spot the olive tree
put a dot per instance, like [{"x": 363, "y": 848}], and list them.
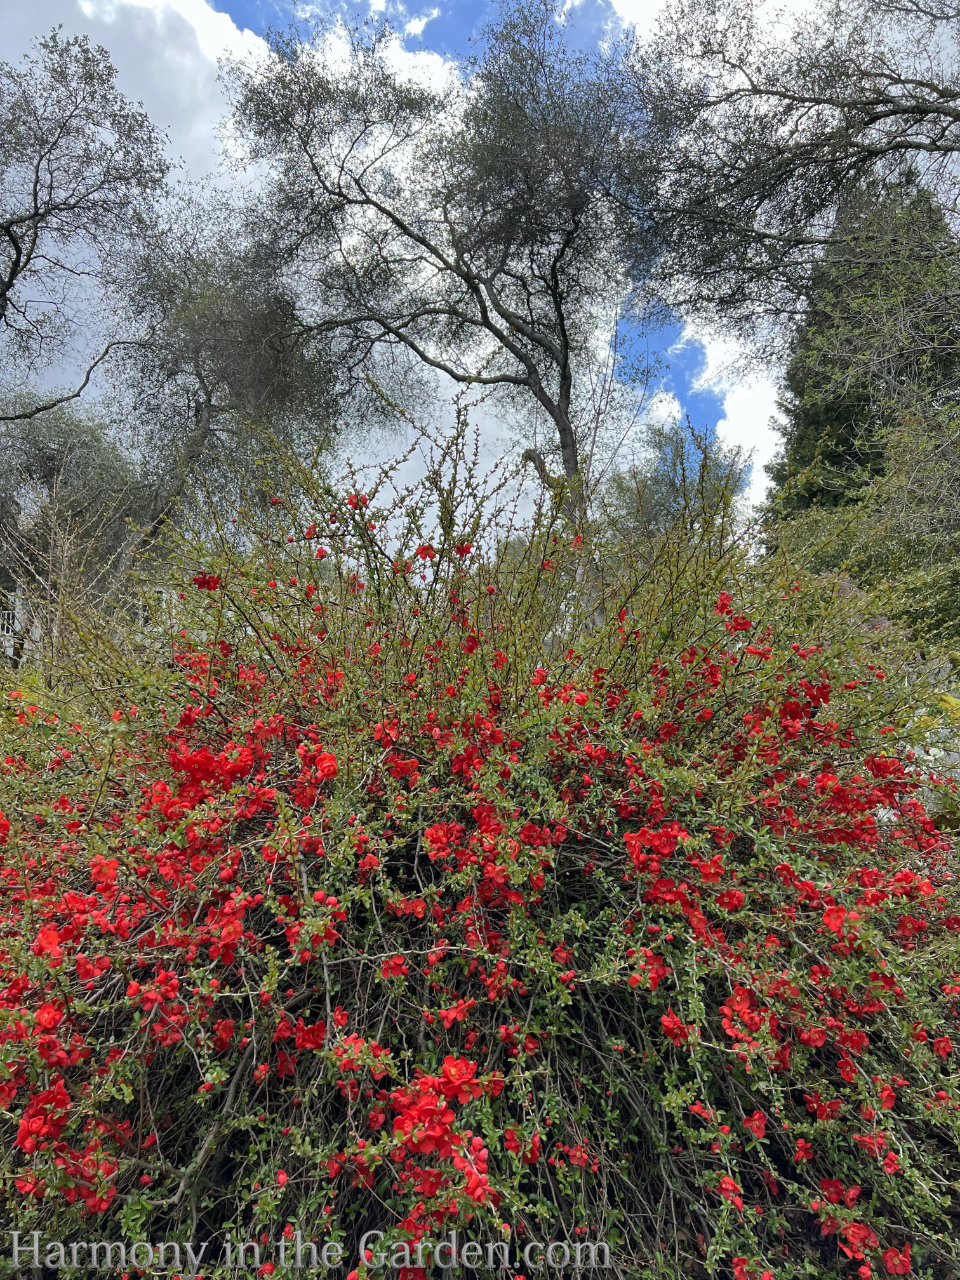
[
  {"x": 80, "y": 166},
  {"x": 476, "y": 224}
]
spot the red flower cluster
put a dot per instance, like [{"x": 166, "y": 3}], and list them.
[{"x": 396, "y": 918}]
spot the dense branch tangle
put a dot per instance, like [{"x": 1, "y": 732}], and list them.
[
  {"x": 783, "y": 128},
  {"x": 78, "y": 168},
  {"x": 471, "y": 225}
]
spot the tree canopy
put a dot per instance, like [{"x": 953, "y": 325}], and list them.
[
  {"x": 79, "y": 166},
  {"x": 477, "y": 225}
]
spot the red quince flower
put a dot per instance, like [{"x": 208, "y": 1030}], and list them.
[
  {"x": 730, "y": 900},
  {"x": 756, "y": 1123},
  {"x": 833, "y": 918},
  {"x": 727, "y": 1188},
  {"x": 673, "y": 1028},
  {"x": 897, "y": 1264}
]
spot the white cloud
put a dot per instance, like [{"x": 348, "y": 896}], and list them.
[
  {"x": 216, "y": 33},
  {"x": 641, "y": 14},
  {"x": 431, "y": 70},
  {"x": 663, "y": 410},
  {"x": 416, "y": 26},
  {"x": 749, "y": 401},
  {"x": 165, "y": 53},
  {"x": 747, "y": 412},
  {"x": 777, "y": 18},
  {"x": 420, "y": 66}
]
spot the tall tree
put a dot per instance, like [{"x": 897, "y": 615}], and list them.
[
  {"x": 477, "y": 224},
  {"x": 70, "y": 500},
  {"x": 869, "y": 472},
  {"x": 879, "y": 347},
  {"x": 79, "y": 167},
  {"x": 783, "y": 120},
  {"x": 218, "y": 354},
  {"x": 684, "y": 477}
]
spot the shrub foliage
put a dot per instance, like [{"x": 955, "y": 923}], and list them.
[{"x": 400, "y": 900}]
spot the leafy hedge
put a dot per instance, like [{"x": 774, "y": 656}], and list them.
[{"x": 398, "y": 900}]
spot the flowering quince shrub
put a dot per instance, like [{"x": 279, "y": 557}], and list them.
[{"x": 399, "y": 900}]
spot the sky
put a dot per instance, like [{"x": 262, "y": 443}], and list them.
[{"x": 166, "y": 53}]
